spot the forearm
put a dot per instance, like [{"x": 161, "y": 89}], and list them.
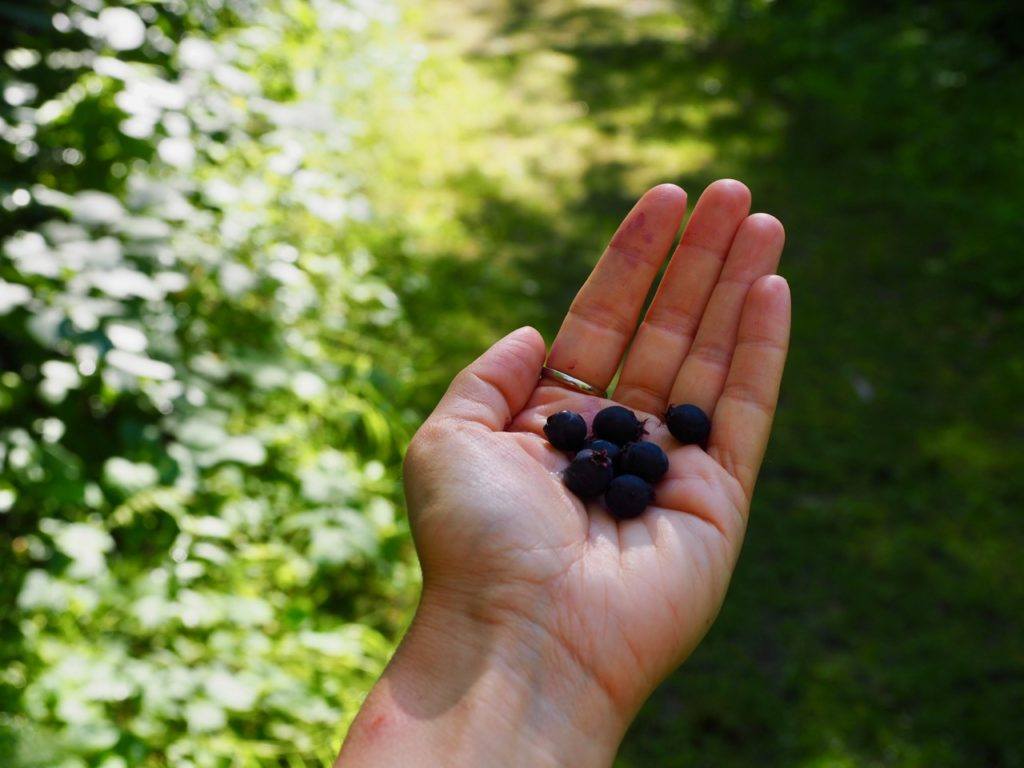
[{"x": 461, "y": 692}]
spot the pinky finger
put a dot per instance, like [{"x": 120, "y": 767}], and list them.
[{"x": 743, "y": 417}]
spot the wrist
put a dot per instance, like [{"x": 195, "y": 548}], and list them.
[{"x": 469, "y": 687}]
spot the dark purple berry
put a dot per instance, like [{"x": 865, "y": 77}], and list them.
[
  {"x": 589, "y": 473},
  {"x": 565, "y": 430},
  {"x": 597, "y": 444},
  {"x": 645, "y": 460},
  {"x": 618, "y": 425},
  {"x": 688, "y": 424},
  {"x": 627, "y": 496}
]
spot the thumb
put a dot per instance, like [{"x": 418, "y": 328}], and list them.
[{"x": 496, "y": 386}]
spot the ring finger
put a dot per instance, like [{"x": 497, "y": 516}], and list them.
[{"x": 754, "y": 253}]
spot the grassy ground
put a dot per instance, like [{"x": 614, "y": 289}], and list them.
[{"x": 875, "y": 617}]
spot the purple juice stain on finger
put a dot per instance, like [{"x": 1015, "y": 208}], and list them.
[
  {"x": 634, "y": 226},
  {"x": 636, "y": 221}
]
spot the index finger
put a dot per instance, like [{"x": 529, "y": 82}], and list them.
[{"x": 604, "y": 314}]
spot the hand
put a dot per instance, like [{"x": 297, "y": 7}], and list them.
[{"x": 542, "y": 612}]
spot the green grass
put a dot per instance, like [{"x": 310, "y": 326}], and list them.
[{"x": 875, "y": 616}]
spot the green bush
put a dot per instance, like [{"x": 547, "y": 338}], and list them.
[{"x": 199, "y": 443}]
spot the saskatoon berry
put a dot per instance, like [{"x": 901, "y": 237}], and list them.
[
  {"x": 566, "y": 430},
  {"x": 688, "y": 424},
  {"x": 645, "y": 460},
  {"x": 618, "y": 425},
  {"x": 627, "y": 496},
  {"x": 597, "y": 444},
  {"x": 588, "y": 474}
]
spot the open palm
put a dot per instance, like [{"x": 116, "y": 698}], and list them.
[{"x": 494, "y": 525}]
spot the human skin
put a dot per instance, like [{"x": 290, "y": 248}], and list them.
[{"x": 544, "y": 623}]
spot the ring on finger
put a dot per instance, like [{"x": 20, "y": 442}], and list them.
[{"x": 571, "y": 382}]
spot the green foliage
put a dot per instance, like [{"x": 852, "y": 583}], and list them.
[{"x": 199, "y": 444}]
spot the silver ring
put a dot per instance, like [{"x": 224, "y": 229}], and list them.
[{"x": 572, "y": 382}]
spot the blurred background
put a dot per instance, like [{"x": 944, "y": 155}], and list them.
[{"x": 246, "y": 243}]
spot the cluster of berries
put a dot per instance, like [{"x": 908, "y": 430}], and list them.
[{"x": 615, "y": 460}]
